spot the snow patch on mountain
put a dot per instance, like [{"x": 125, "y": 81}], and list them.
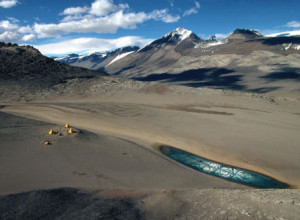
[
  {"x": 291, "y": 46},
  {"x": 182, "y": 33},
  {"x": 210, "y": 44},
  {"x": 119, "y": 57},
  {"x": 69, "y": 58}
]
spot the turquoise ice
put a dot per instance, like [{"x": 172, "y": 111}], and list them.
[{"x": 227, "y": 172}]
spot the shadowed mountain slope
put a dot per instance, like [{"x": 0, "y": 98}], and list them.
[{"x": 27, "y": 64}]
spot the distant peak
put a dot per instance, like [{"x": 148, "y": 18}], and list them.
[
  {"x": 180, "y": 33},
  {"x": 95, "y": 54},
  {"x": 181, "y": 30},
  {"x": 244, "y": 34},
  {"x": 247, "y": 31},
  {"x": 212, "y": 38}
]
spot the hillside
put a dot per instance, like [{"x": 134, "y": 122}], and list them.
[{"x": 27, "y": 64}]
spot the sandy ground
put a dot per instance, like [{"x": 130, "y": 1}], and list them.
[
  {"x": 247, "y": 133},
  {"x": 86, "y": 160},
  {"x": 114, "y": 148}
]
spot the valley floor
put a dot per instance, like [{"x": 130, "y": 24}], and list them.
[{"x": 113, "y": 153}]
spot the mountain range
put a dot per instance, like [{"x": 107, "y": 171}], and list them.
[
  {"x": 96, "y": 61},
  {"x": 246, "y": 60}
]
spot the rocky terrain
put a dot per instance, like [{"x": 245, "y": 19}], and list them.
[
  {"x": 68, "y": 203},
  {"x": 25, "y": 65}
]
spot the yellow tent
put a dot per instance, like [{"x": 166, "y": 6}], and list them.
[
  {"x": 70, "y": 131},
  {"x": 51, "y": 131},
  {"x": 67, "y": 125},
  {"x": 46, "y": 142}
]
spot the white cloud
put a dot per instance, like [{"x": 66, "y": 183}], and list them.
[
  {"x": 28, "y": 37},
  {"x": 107, "y": 24},
  {"x": 25, "y": 30},
  {"x": 222, "y": 36},
  {"x": 12, "y": 32},
  {"x": 6, "y": 25},
  {"x": 12, "y": 19},
  {"x": 164, "y": 16},
  {"x": 89, "y": 45},
  {"x": 8, "y": 3},
  {"x": 193, "y": 10},
  {"x": 103, "y": 16},
  {"x": 293, "y": 24},
  {"x": 9, "y": 36},
  {"x": 104, "y": 7},
  {"x": 75, "y": 10}
]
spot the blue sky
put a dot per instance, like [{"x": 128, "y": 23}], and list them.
[{"x": 84, "y": 26}]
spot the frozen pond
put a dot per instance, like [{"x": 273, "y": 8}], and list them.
[{"x": 227, "y": 172}]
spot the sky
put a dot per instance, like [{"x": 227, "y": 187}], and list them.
[{"x": 61, "y": 27}]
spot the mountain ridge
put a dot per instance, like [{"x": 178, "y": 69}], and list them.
[
  {"x": 245, "y": 60},
  {"x": 96, "y": 60}
]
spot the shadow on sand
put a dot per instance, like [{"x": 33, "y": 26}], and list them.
[
  {"x": 217, "y": 77},
  {"x": 285, "y": 73}
]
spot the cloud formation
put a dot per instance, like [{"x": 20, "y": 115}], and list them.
[
  {"x": 10, "y": 31},
  {"x": 106, "y": 24},
  {"x": 293, "y": 24},
  {"x": 8, "y": 3},
  {"x": 193, "y": 10},
  {"x": 222, "y": 36},
  {"x": 163, "y": 15},
  {"x": 104, "y": 7},
  {"x": 103, "y": 16},
  {"x": 74, "y": 10},
  {"x": 90, "y": 45}
]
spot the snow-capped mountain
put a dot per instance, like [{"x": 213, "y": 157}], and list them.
[
  {"x": 246, "y": 60},
  {"x": 179, "y": 34},
  {"x": 96, "y": 61},
  {"x": 69, "y": 59},
  {"x": 174, "y": 38}
]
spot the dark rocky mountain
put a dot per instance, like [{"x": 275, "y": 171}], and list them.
[
  {"x": 96, "y": 61},
  {"x": 244, "y": 34},
  {"x": 212, "y": 38},
  {"x": 26, "y": 65}
]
